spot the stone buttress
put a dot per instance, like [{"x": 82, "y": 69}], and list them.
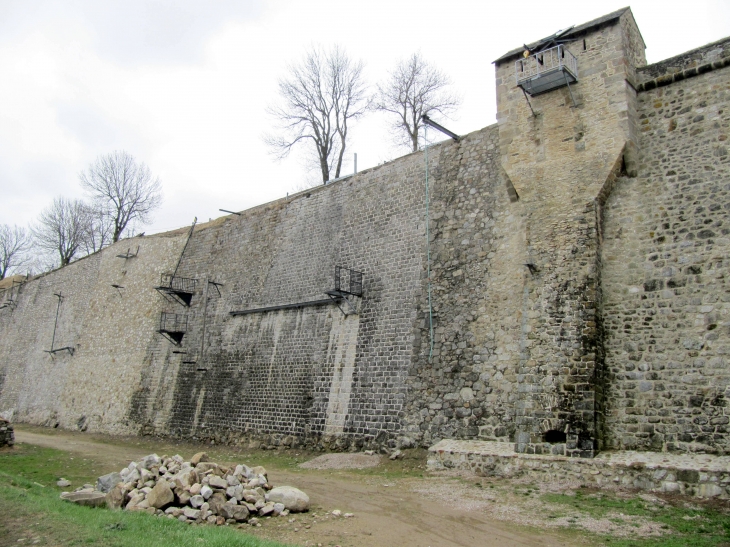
[{"x": 562, "y": 150}]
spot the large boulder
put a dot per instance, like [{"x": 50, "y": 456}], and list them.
[
  {"x": 251, "y": 496},
  {"x": 216, "y": 501},
  {"x": 161, "y": 495},
  {"x": 217, "y": 482},
  {"x": 106, "y": 482},
  {"x": 191, "y": 513},
  {"x": 116, "y": 497},
  {"x": 199, "y": 457},
  {"x": 293, "y": 499},
  {"x": 202, "y": 467},
  {"x": 235, "y": 492},
  {"x": 148, "y": 462},
  {"x": 134, "y": 500},
  {"x": 89, "y": 499},
  {"x": 186, "y": 477},
  {"x": 236, "y": 512}
]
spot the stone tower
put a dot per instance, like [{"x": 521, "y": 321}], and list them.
[{"x": 567, "y": 126}]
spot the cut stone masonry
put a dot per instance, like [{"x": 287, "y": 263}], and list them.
[{"x": 577, "y": 279}]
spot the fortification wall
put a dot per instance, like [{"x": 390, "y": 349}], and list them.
[
  {"x": 107, "y": 328},
  {"x": 577, "y": 291},
  {"x": 665, "y": 265},
  {"x": 466, "y": 387},
  {"x": 562, "y": 151},
  {"x": 33, "y": 382},
  {"x": 304, "y": 373}
]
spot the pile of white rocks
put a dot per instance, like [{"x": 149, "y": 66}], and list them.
[{"x": 198, "y": 491}]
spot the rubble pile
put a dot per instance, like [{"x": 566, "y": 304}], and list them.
[
  {"x": 7, "y": 435},
  {"x": 198, "y": 491}
]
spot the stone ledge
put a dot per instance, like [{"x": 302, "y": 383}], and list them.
[
  {"x": 685, "y": 74},
  {"x": 702, "y": 475}
]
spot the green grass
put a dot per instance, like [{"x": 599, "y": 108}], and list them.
[
  {"x": 685, "y": 525},
  {"x": 30, "y": 508},
  {"x": 411, "y": 464}
]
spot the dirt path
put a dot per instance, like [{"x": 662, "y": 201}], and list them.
[{"x": 386, "y": 513}]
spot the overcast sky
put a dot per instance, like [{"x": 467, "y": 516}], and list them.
[{"x": 183, "y": 85}]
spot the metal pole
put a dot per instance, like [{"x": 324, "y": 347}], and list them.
[
  {"x": 53, "y": 340},
  {"x": 569, "y": 90},
  {"x": 528, "y": 100},
  {"x": 356, "y": 163},
  {"x": 429, "y": 121},
  {"x": 190, "y": 234},
  {"x": 205, "y": 317},
  {"x": 428, "y": 247}
]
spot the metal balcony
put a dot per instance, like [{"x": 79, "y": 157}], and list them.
[
  {"x": 547, "y": 70},
  {"x": 173, "y": 326},
  {"x": 177, "y": 289}
]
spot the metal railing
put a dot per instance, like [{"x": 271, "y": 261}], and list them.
[
  {"x": 549, "y": 60},
  {"x": 173, "y": 322},
  {"x": 182, "y": 284},
  {"x": 348, "y": 281}
]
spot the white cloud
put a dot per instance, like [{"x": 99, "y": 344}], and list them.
[{"x": 184, "y": 85}]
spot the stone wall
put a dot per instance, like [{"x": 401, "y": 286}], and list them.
[
  {"x": 666, "y": 243},
  {"x": 304, "y": 373},
  {"x": 466, "y": 386},
  {"x": 106, "y": 328},
  {"x": 576, "y": 300},
  {"x": 7, "y": 435},
  {"x": 562, "y": 151},
  {"x": 704, "y": 476}
]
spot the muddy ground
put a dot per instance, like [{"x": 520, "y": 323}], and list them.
[{"x": 403, "y": 509}]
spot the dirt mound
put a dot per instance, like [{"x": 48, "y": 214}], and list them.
[{"x": 342, "y": 461}]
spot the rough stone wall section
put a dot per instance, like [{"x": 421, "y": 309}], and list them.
[
  {"x": 34, "y": 381},
  {"x": 7, "y": 435},
  {"x": 699, "y": 61},
  {"x": 467, "y": 388},
  {"x": 667, "y": 301},
  {"x": 107, "y": 329},
  {"x": 704, "y": 476},
  {"x": 560, "y": 160}
]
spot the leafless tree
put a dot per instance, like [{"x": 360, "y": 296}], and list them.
[
  {"x": 318, "y": 99},
  {"x": 14, "y": 243},
  {"x": 62, "y": 228},
  {"x": 98, "y": 229},
  {"x": 121, "y": 190},
  {"x": 413, "y": 89}
]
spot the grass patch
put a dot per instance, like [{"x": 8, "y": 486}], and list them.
[
  {"x": 694, "y": 525},
  {"x": 411, "y": 464},
  {"x": 30, "y": 510}
]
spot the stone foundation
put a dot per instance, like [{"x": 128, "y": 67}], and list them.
[{"x": 701, "y": 475}]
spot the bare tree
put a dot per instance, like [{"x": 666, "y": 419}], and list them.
[
  {"x": 121, "y": 190},
  {"x": 319, "y": 98},
  {"x": 62, "y": 228},
  {"x": 14, "y": 242},
  {"x": 98, "y": 229},
  {"x": 413, "y": 89}
]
